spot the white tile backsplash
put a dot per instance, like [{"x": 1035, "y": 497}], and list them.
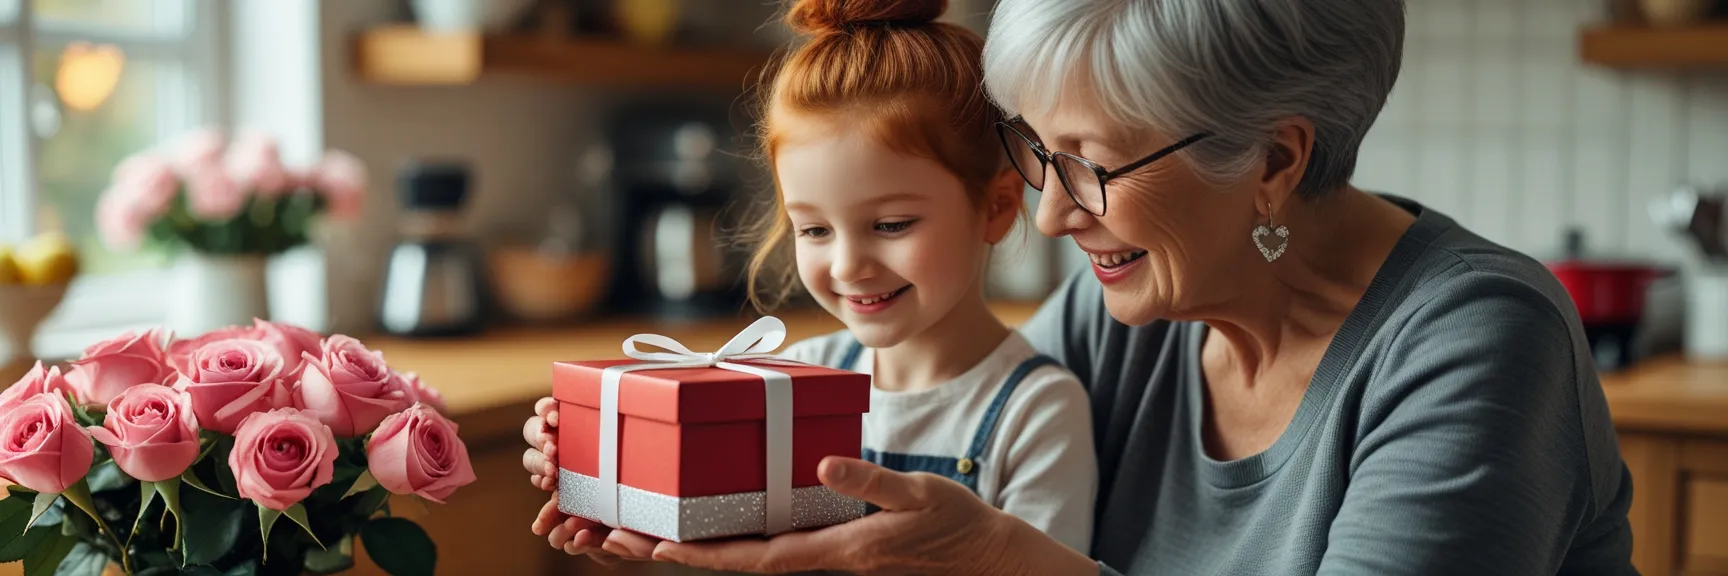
[{"x": 1497, "y": 122}]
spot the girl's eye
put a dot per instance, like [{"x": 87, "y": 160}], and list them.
[
  {"x": 893, "y": 227},
  {"x": 813, "y": 232}
]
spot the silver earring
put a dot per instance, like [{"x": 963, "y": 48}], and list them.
[{"x": 1263, "y": 231}]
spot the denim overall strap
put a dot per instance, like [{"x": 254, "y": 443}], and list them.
[
  {"x": 987, "y": 427},
  {"x": 851, "y": 357}
]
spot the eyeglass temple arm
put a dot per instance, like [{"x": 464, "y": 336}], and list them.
[{"x": 1168, "y": 150}]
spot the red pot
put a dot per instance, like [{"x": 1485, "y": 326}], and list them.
[{"x": 1606, "y": 291}]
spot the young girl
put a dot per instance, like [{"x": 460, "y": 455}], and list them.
[{"x": 892, "y": 189}]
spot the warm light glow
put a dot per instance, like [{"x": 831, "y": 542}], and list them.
[{"x": 88, "y": 74}]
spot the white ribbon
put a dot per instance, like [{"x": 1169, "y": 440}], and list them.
[{"x": 754, "y": 343}]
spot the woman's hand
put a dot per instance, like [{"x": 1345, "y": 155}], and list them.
[{"x": 929, "y": 525}]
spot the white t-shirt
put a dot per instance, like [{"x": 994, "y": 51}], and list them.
[{"x": 1039, "y": 465}]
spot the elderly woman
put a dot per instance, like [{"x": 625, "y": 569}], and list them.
[{"x": 1288, "y": 374}]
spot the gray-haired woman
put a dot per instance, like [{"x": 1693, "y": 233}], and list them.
[{"x": 1288, "y": 374}]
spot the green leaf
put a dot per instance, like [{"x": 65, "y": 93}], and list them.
[
  {"x": 363, "y": 483},
  {"x": 14, "y": 517},
  {"x": 83, "y": 560},
  {"x": 148, "y": 496},
  {"x": 44, "y": 500},
  {"x": 329, "y": 561},
  {"x": 79, "y": 495},
  {"x": 192, "y": 479},
  {"x": 297, "y": 513},
  {"x": 369, "y": 503},
  {"x": 15, "y": 549},
  {"x": 399, "y": 546},
  {"x": 199, "y": 570},
  {"x": 44, "y": 560},
  {"x": 212, "y": 526},
  {"x": 266, "y": 519},
  {"x": 247, "y": 568},
  {"x": 170, "y": 490}
]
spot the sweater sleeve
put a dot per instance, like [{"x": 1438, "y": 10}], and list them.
[
  {"x": 1050, "y": 475},
  {"x": 1471, "y": 456}
]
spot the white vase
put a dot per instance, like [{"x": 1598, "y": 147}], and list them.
[{"x": 212, "y": 292}]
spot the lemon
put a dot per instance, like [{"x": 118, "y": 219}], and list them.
[
  {"x": 47, "y": 259},
  {"x": 9, "y": 273}
]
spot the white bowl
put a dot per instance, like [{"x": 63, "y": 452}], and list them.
[{"x": 22, "y": 309}]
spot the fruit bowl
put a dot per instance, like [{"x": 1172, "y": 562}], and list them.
[{"x": 22, "y": 309}]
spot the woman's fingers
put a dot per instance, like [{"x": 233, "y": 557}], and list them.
[
  {"x": 885, "y": 488},
  {"x": 545, "y": 406},
  {"x": 790, "y": 552},
  {"x": 630, "y": 545}
]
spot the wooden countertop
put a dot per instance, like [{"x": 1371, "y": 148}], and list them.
[{"x": 1671, "y": 395}]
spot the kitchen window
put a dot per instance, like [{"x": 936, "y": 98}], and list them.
[{"x": 83, "y": 84}]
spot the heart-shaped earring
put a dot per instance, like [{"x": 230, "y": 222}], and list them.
[{"x": 1271, "y": 254}]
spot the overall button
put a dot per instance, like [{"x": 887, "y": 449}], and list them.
[{"x": 964, "y": 465}]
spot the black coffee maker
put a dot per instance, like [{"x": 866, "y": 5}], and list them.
[{"x": 676, "y": 182}]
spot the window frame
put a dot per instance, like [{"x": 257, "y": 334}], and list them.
[{"x": 100, "y": 307}]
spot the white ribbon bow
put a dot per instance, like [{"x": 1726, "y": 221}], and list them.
[{"x": 753, "y": 343}]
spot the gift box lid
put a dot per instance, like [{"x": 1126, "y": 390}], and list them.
[{"x": 707, "y": 395}]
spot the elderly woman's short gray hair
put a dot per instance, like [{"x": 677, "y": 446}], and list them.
[{"x": 1229, "y": 67}]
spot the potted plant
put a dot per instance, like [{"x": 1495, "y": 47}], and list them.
[
  {"x": 226, "y": 208},
  {"x": 265, "y": 449}
]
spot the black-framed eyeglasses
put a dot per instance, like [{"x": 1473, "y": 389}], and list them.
[{"x": 1084, "y": 179}]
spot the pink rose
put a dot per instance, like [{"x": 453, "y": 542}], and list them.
[
  {"x": 292, "y": 341},
  {"x": 41, "y": 446},
  {"x": 37, "y": 381},
  {"x": 143, "y": 185},
  {"x": 422, "y": 393},
  {"x": 211, "y": 193},
  {"x": 350, "y": 387},
  {"x": 202, "y": 146},
  {"x": 118, "y": 223},
  {"x": 229, "y": 380},
  {"x": 255, "y": 163},
  {"x": 281, "y": 456},
  {"x": 417, "y": 451},
  {"x": 341, "y": 179},
  {"x": 150, "y": 432},
  {"x": 109, "y": 368},
  {"x": 289, "y": 340},
  {"x": 180, "y": 351}
]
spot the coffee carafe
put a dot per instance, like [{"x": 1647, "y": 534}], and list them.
[{"x": 434, "y": 281}]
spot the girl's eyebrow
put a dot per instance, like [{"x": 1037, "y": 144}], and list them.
[{"x": 895, "y": 197}]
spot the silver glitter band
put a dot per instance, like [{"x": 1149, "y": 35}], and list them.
[{"x": 700, "y": 518}]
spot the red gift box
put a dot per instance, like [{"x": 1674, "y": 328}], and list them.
[{"x": 692, "y": 440}]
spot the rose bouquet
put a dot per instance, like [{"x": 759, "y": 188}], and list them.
[
  {"x": 217, "y": 197},
  {"x": 162, "y": 456}
]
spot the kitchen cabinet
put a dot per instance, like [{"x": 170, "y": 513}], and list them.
[{"x": 1672, "y": 419}]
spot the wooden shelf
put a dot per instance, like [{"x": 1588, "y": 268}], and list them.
[
  {"x": 1699, "y": 47},
  {"x": 407, "y": 55}
]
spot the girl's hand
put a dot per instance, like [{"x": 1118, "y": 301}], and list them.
[
  {"x": 929, "y": 525},
  {"x": 540, "y": 432}
]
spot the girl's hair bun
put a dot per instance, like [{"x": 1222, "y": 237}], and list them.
[{"x": 816, "y": 17}]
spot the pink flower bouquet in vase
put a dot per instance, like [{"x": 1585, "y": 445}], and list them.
[
  {"x": 226, "y": 207},
  {"x": 262, "y": 449}
]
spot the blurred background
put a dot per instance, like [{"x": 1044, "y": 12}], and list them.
[{"x": 540, "y": 167}]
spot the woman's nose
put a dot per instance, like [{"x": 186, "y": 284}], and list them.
[
  {"x": 1058, "y": 215},
  {"x": 852, "y": 262}
]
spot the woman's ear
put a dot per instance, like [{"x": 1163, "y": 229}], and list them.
[
  {"x": 1287, "y": 158},
  {"x": 1004, "y": 199}
]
